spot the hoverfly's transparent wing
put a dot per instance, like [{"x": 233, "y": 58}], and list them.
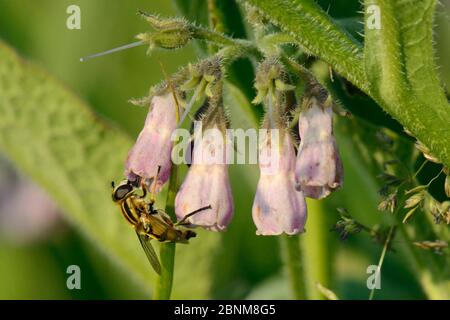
[{"x": 150, "y": 253}]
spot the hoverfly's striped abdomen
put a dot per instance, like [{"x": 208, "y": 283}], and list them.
[{"x": 130, "y": 212}]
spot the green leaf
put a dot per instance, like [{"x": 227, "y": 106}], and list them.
[
  {"x": 399, "y": 63},
  {"x": 353, "y": 100},
  {"x": 53, "y": 137},
  {"x": 416, "y": 20}
]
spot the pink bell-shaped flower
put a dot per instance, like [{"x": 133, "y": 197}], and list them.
[
  {"x": 278, "y": 207},
  {"x": 207, "y": 184},
  {"x": 319, "y": 169},
  {"x": 153, "y": 148}
]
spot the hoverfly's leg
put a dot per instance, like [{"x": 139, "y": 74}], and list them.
[
  {"x": 155, "y": 180},
  {"x": 184, "y": 220},
  {"x": 143, "y": 188},
  {"x": 151, "y": 183}
]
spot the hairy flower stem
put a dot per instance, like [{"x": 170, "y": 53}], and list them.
[
  {"x": 217, "y": 38},
  {"x": 292, "y": 257},
  {"x": 164, "y": 282}
]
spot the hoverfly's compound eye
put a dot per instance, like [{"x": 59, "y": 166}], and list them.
[{"x": 122, "y": 191}]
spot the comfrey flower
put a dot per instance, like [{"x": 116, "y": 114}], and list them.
[
  {"x": 153, "y": 148},
  {"x": 278, "y": 207},
  {"x": 207, "y": 181},
  {"x": 319, "y": 169}
]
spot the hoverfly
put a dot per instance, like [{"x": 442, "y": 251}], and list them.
[{"x": 149, "y": 222}]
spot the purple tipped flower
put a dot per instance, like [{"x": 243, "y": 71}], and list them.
[
  {"x": 207, "y": 183},
  {"x": 278, "y": 208},
  {"x": 319, "y": 169},
  {"x": 153, "y": 147}
]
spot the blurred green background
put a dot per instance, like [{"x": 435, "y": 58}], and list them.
[{"x": 247, "y": 266}]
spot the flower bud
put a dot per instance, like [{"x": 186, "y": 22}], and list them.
[
  {"x": 171, "y": 33},
  {"x": 153, "y": 147},
  {"x": 319, "y": 169},
  {"x": 207, "y": 181},
  {"x": 278, "y": 208}
]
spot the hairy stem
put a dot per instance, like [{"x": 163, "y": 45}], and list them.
[
  {"x": 290, "y": 247},
  {"x": 217, "y": 38},
  {"x": 163, "y": 287}
]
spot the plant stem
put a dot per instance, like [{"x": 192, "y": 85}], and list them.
[
  {"x": 290, "y": 247},
  {"x": 383, "y": 254},
  {"x": 217, "y": 38},
  {"x": 317, "y": 247},
  {"x": 164, "y": 282}
]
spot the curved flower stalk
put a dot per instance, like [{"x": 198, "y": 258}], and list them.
[
  {"x": 319, "y": 169},
  {"x": 278, "y": 207},
  {"x": 152, "y": 150},
  {"x": 207, "y": 181}
]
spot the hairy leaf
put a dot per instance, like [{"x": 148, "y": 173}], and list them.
[
  {"x": 54, "y": 138},
  {"x": 399, "y": 63}
]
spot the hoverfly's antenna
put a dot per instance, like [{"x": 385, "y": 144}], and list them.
[
  {"x": 104, "y": 53},
  {"x": 113, "y": 185}
]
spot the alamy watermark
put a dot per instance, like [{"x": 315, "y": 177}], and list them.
[
  {"x": 74, "y": 19},
  {"x": 234, "y": 146},
  {"x": 373, "y": 20},
  {"x": 374, "y": 280},
  {"x": 74, "y": 279}
]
